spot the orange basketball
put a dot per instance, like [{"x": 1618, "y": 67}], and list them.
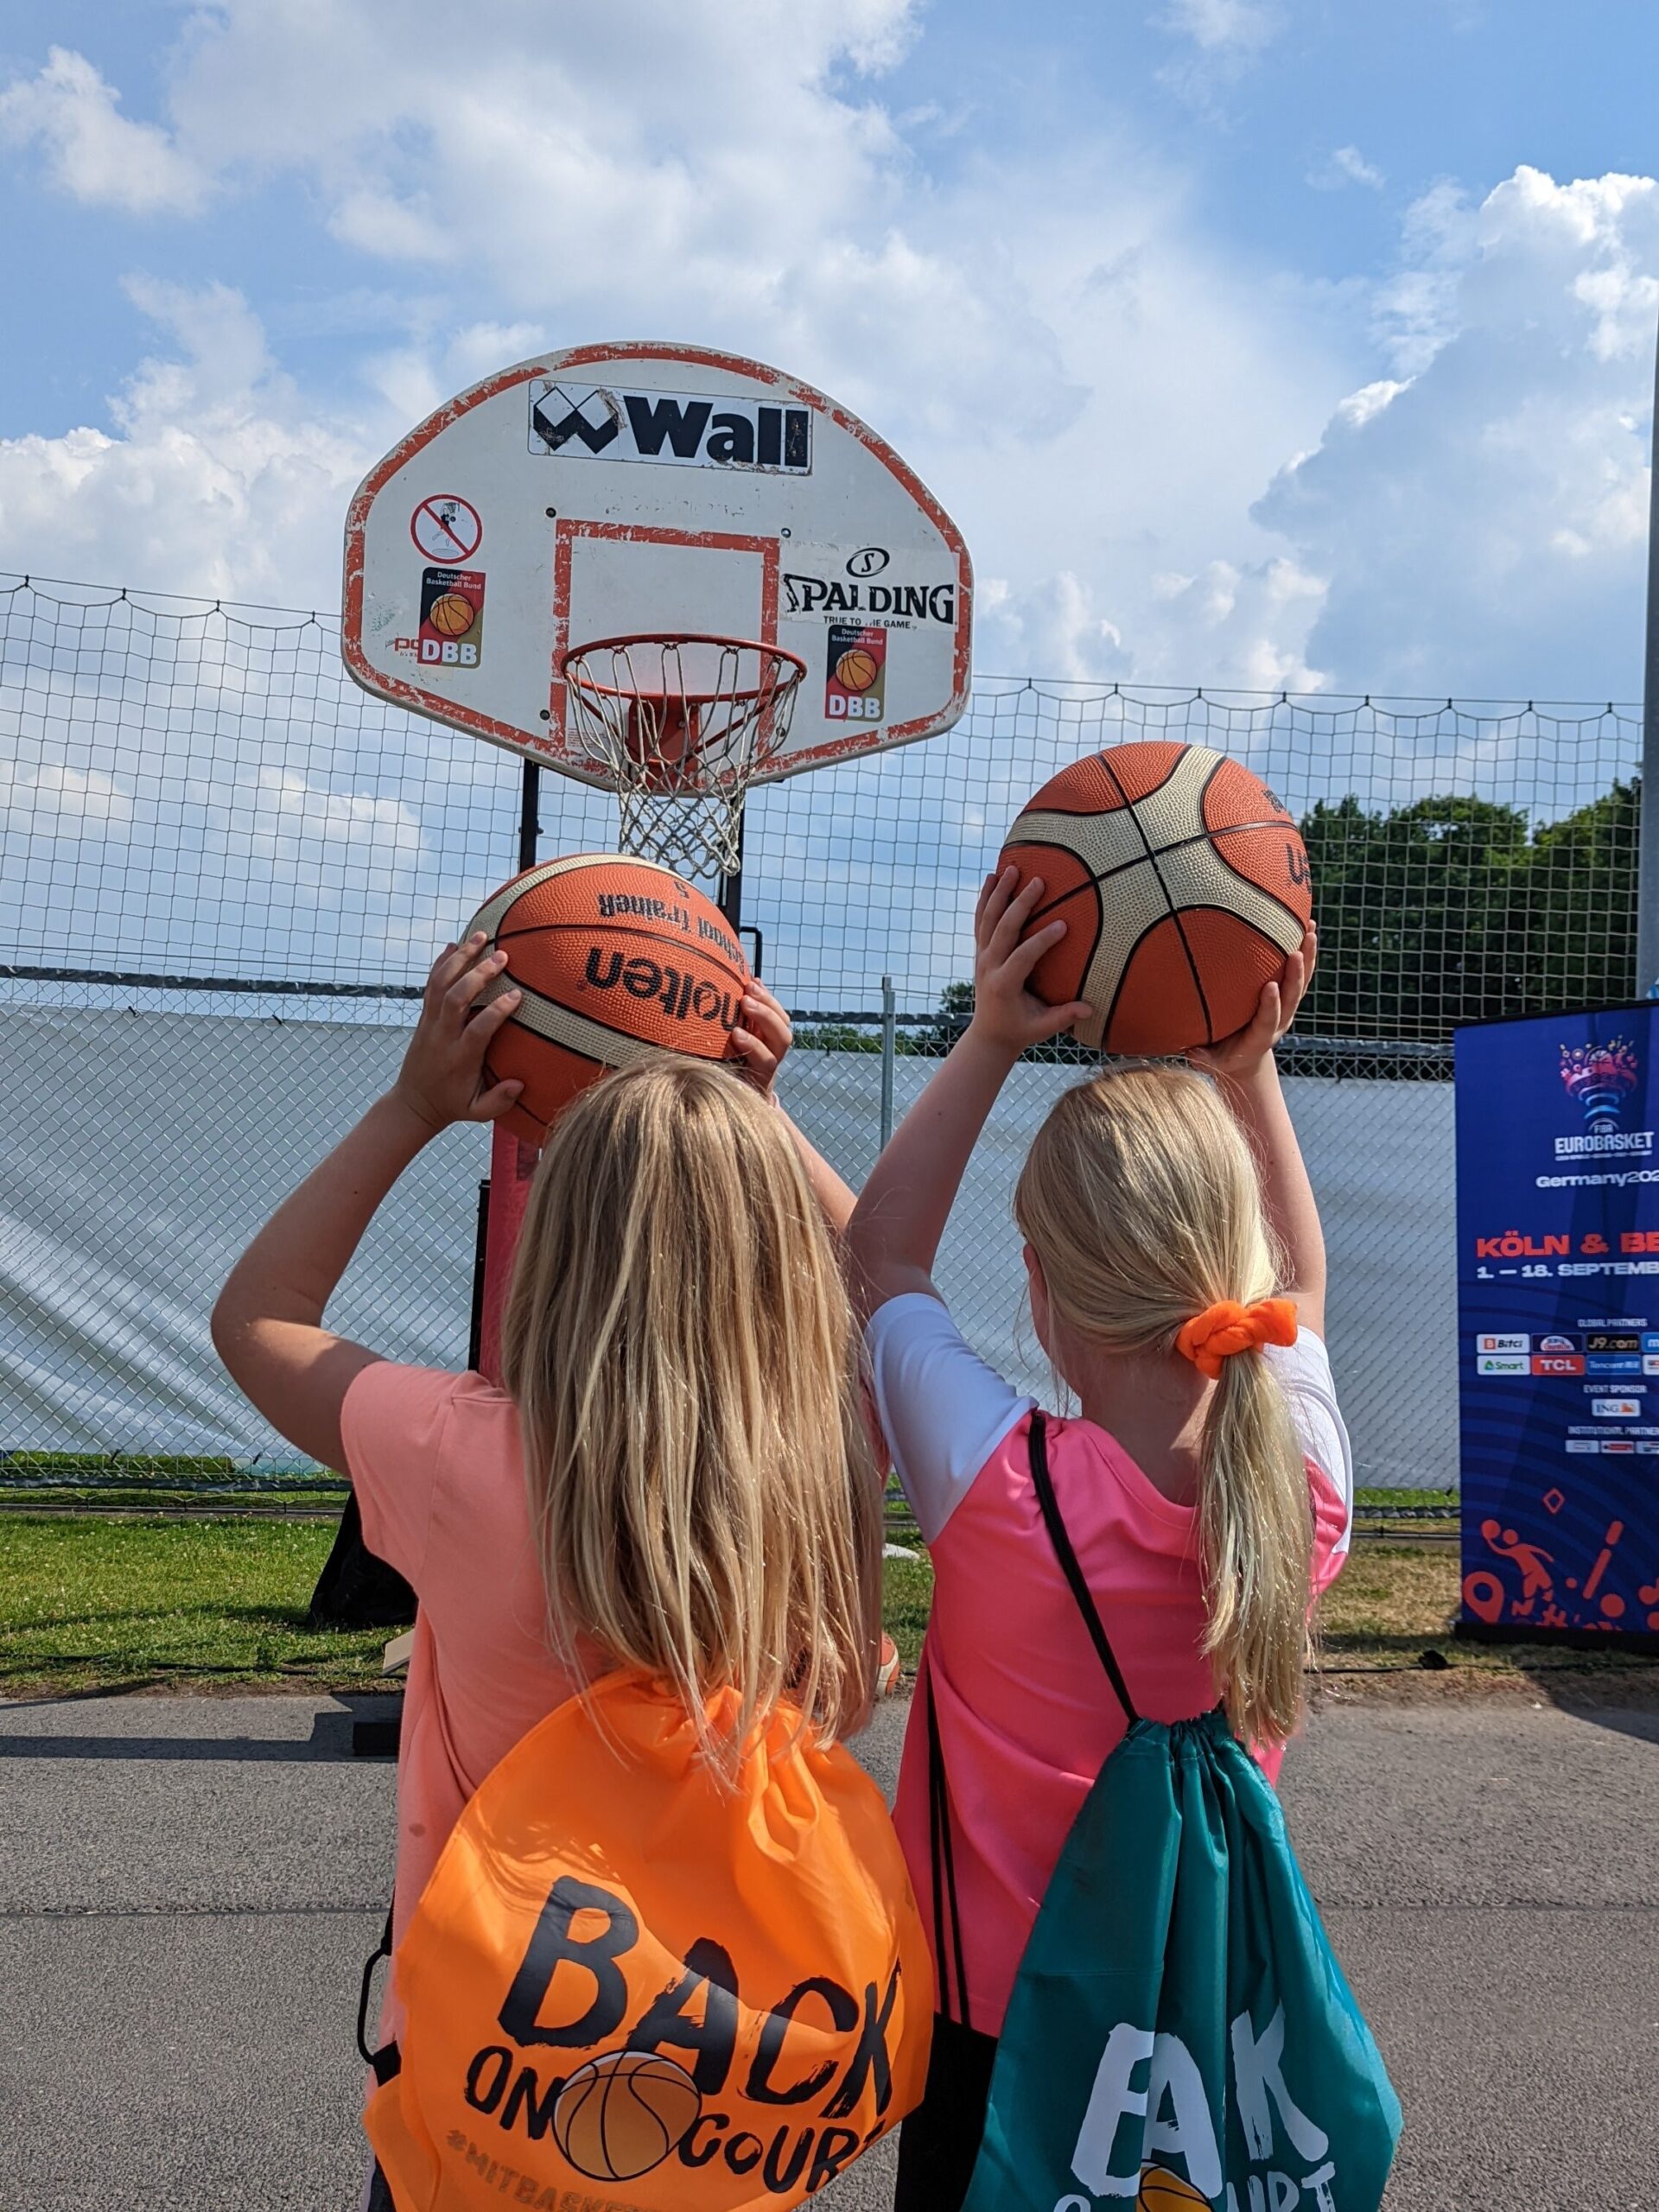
[
  {"x": 1163, "y": 2191},
  {"x": 452, "y": 615},
  {"x": 1184, "y": 880},
  {"x": 856, "y": 670},
  {"x": 620, "y": 2115},
  {"x": 613, "y": 955}
]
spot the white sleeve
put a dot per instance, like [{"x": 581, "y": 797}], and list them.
[
  {"x": 943, "y": 1411},
  {"x": 1304, "y": 1368}
]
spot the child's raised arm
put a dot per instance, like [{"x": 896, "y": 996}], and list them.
[
  {"x": 1248, "y": 1076},
  {"x": 268, "y": 1323},
  {"x": 894, "y": 1233},
  {"x": 762, "y": 1045}
]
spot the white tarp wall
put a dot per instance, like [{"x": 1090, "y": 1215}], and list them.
[{"x": 139, "y": 1151}]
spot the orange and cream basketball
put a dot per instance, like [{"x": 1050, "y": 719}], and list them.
[
  {"x": 1183, "y": 883},
  {"x": 620, "y": 2115},
  {"x": 452, "y": 615},
  {"x": 616, "y": 959}
]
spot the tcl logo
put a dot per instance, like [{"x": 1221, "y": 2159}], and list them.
[{"x": 1557, "y": 1362}]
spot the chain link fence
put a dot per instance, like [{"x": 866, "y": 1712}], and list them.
[{"x": 224, "y": 871}]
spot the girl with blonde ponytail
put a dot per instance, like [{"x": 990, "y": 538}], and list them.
[
  {"x": 1176, "y": 1273},
  {"x": 673, "y": 1479}
]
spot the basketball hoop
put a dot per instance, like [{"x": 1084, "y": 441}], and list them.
[{"x": 681, "y": 726}]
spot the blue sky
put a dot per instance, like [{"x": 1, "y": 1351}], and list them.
[{"x": 1253, "y": 341}]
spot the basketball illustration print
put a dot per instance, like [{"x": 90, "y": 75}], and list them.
[
  {"x": 451, "y": 615},
  {"x": 857, "y": 670},
  {"x": 1183, "y": 882},
  {"x": 1163, "y": 2191},
  {"x": 623, "y": 2114},
  {"x": 616, "y": 958}
]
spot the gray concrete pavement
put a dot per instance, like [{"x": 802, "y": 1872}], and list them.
[{"x": 187, "y": 1887}]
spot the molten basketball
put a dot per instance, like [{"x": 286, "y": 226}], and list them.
[
  {"x": 452, "y": 615},
  {"x": 856, "y": 670},
  {"x": 1184, "y": 883},
  {"x": 620, "y": 2115},
  {"x": 1163, "y": 2191},
  {"x": 614, "y": 957}
]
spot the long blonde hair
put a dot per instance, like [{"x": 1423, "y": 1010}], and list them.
[
  {"x": 1141, "y": 1200},
  {"x": 683, "y": 1358}
]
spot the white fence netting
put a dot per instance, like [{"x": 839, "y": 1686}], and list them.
[{"x": 139, "y": 1151}]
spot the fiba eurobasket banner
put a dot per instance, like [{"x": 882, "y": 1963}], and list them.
[{"x": 1558, "y": 1301}]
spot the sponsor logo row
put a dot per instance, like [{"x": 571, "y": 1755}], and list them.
[
  {"x": 1617, "y": 1447},
  {"x": 1566, "y": 1363},
  {"x": 1584, "y": 1340}
]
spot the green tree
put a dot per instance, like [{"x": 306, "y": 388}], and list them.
[
  {"x": 1579, "y": 928},
  {"x": 1445, "y": 909},
  {"x": 1451, "y": 909}
]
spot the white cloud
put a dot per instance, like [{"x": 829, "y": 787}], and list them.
[
  {"x": 723, "y": 173},
  {"x": 1244, "y": 627},
  {"x": 1481, "y": 521},
  {"x": 59, "y": 801},
  {"x": 221, "y": 479},
  {"x": 313, "y": 835},
  {"x": 1038, "y": 336},
  {"x": 1357, "y": 408},
  {"x": 1052, "y": 626},
  {"x": 1171, "y": 463},
  {"x": 1222, "y": 39},
  {"x": 1346, "y": 165},
  {"x": 1224, "y": 26},
  {"x": 90, "y": 149}
]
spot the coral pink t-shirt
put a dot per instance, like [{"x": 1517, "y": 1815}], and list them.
[
  {"x": 1027, "y": 1716},
  {"x": 435, "y": 1462}
]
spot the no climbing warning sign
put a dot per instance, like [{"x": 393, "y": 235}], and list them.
[{"x": 445, "y": 528}]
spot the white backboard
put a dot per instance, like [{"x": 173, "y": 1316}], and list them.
[{"x": 654, "y": 488}]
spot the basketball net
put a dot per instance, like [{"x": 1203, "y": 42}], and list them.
[{"x": 681, "y": 727}]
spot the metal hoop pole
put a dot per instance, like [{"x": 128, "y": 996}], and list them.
[
  {"x": 730, "y": 900},
  {"x": 529, "y": 816}
]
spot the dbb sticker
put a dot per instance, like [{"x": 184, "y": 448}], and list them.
[
  {"x": 452, "y": 618},
  {"x": 856, "y": 680}
]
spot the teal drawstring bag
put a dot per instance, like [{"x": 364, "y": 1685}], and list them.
[{"x": 1180, "y": 2035}]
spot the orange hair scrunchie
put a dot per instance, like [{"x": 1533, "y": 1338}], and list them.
[{"x": 1228, "y": 1327}]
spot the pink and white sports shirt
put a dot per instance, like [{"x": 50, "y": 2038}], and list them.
[{"x": 1026, "y": 1715}]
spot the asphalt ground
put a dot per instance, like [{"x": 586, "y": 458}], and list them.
[{"x": 188, "y": 1887}]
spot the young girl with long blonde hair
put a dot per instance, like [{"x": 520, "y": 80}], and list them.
[
  {"x": 1176, "y": 1273},
  {"x": 677, "y": 1477}
]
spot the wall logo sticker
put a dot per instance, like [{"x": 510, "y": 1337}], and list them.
[{"x": 682, "y": 430}]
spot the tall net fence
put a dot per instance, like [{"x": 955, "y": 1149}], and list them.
[{"x": 224, "y": 871}]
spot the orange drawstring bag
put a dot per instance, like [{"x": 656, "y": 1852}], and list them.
[{"x": 633, "y": 1985}]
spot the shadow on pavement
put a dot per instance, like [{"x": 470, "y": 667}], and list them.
[
  {"x": 365, "y": 1725},
  {"x": 1616, "y": 1705}
]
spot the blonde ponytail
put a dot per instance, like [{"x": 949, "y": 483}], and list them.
[
  {"x": 1256, "y": 1538},
  {"x": 1141, "y": 1199},
  {"x": 685, "y": 1360}
]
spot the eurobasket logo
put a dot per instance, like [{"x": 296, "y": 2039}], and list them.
[{"x": 1601, "y": 1078}]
